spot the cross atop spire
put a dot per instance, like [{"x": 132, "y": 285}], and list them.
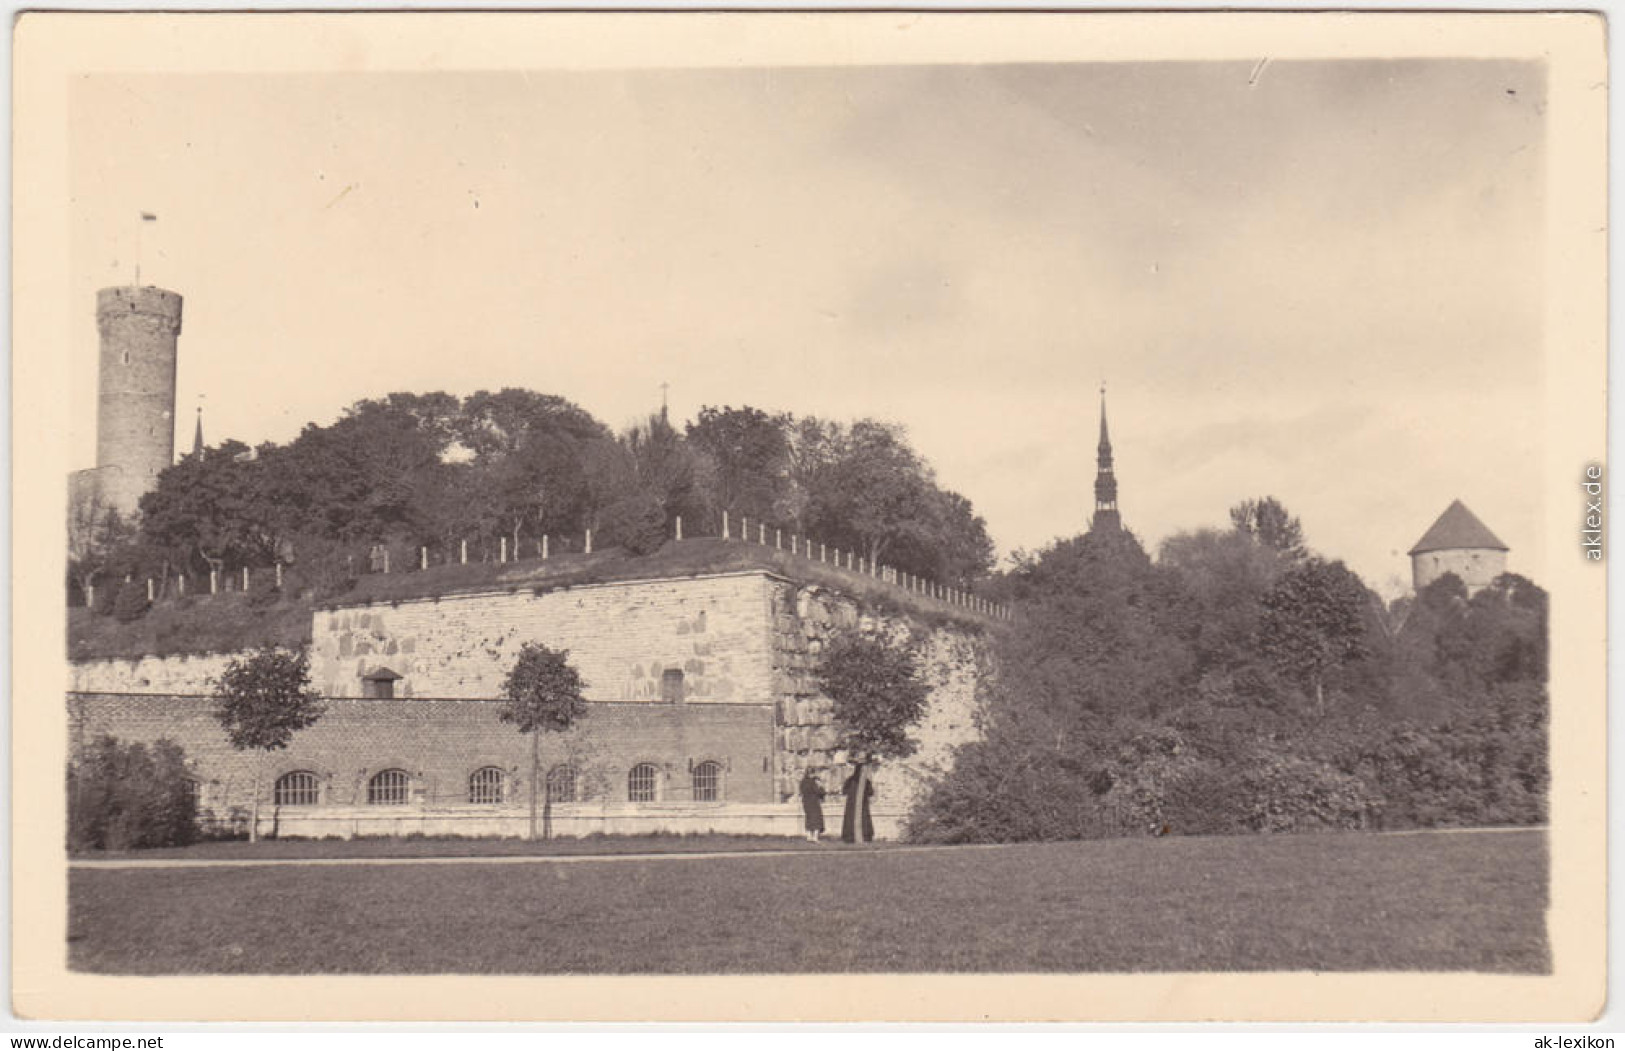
[{"x": 1105, "y": 448}]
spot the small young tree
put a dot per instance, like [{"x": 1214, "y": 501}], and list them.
[
  {"x": 878, "y": 694},
  {"x": 543, "y": 695},
  {"x": 261, "y": 701}
]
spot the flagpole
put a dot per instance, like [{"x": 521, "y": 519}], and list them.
[{"x": 146, "y": 217}]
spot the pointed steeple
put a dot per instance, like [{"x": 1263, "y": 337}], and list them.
[
  {"x": 1105, "y": 481},
  {"x": 197, "y": 435}
]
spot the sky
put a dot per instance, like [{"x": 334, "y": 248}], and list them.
[{"x": 1317, "y": 280}]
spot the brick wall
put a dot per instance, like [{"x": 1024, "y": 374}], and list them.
[
  {"x": 441, "y": 742},
  {"x": 622, "y": 637}
]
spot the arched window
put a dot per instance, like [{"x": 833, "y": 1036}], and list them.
[
  {"x": 299, "y": 788},
  {"x": 708, "y": 782},
  {"x": 561, "y": 783},
  {"x": 486, "y": 784},
  {"x": 388, "y": 788},
  {"x": 642, "y": 783}
]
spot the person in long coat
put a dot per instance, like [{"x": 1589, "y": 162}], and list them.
[
  {"x": 812, "y": 805},
  {"x": 849, "y": 823}
]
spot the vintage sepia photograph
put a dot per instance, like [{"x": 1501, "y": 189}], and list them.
[{"x": 836, "y": 497}]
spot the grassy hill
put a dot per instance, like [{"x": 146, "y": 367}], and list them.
[{"x": 240, "y": 620}]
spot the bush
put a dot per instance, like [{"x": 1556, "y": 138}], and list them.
[
  {"x": 127, "y": 796},
  {"x": 635, "y": 522},
  {"x": 1485, "y": 766},
  {"x": 131, "y": 601},
  {"x": 1288, "y": 793}
]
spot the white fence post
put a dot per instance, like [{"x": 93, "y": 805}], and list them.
[
  {"x": 463, "y": 553},
  {"x": 589, "y": 542},
  {"x": 544, "y": 546},
  {"x": 214, "y": 581},
  {"x": 502, "y": 550},
  {"x": 423, "y": 562},
  {"x": 724, "y": 525},
  {"x": 149, "y": 589},
  {"x": 679, "y": 527},
  {"x": 278, "y": 578}
]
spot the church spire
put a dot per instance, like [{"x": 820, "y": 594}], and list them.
[
  {"x": 1105, "y": 481},
  {"x": 197, "y": 435}
]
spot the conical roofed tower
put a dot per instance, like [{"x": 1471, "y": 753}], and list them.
[{"x": 1461, "y": 544}]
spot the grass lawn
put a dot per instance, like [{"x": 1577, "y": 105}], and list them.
[{"x": 1472, "y": 902}]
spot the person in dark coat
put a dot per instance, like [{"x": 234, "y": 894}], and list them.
[
  {"x": 849, "y": 823},
  {"x": 812, "y": 805}
]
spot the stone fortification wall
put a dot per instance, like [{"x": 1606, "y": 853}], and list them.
[
  {"x": 184, "y": 673},
  {"x": 803, "y": 619},
  {"x": 622, "y": 638}
]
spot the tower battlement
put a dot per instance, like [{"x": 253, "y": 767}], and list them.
[{"x": 116, "y": 304}]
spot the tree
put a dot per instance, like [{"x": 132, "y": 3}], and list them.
[
  {"x": 215, "y": 507},
  {"x": 750, "y": 454},
  {"x": 261, "y": 701},
  {"x": 95, "y": 531},
  {"x": 528, "y": 450},
  {"x": 1226, "y": 575},
  {"x": 1314, "y": 623},
  {"x": 544, "y": 695},
  {"x": 864, "y": 488},
  {"x": 1266, "y": 521},
  {"x": 668, "y": 471},
  {"x": 878, "y": 694}
]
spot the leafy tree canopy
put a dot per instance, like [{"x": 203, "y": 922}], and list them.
[
  {"x": 1266, "y": 522},
  {"x": 263, "y": 699},
  {"x": 543, "y": 692},
  {"x": 878, "y": 694},
  {"x": 1313, "y": 622},
  {"x": 432, "y": 469}
]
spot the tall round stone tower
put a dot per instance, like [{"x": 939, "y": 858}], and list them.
[{"x": 135, "y": 422}]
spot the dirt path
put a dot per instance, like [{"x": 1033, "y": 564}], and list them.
[
  {"x": 573, "y": 859},
  {"x": 506, "y": 859}
]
